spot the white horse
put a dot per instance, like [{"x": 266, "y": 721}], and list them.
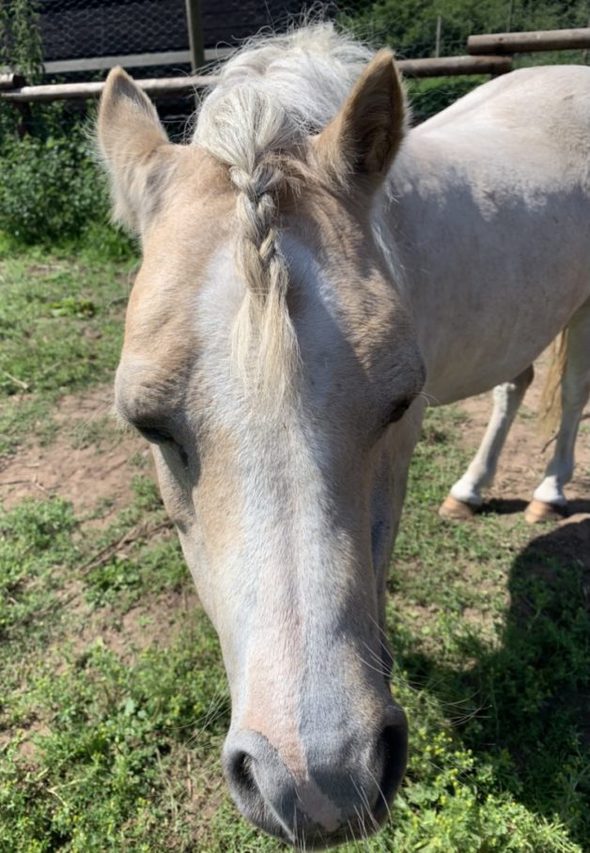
[
  {"x": 309, "y": 268},
  {"x": 507, "y": 271}
]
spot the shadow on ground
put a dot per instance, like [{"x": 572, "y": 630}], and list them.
[
  {"x": 514, "y": 506},
  {"x": 503, "y": 506},
  {"x": 525, "y": 702}
]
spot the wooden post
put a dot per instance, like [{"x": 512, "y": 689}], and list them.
[
  {"x": 438, "y": 35},
  {"x": 23, "y": 127},
  {"x": 510, "y": 11},
  {"x": 195, "y": 33}
]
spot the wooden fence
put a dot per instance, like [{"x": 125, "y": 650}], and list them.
[
  {"x": 169, "y": 86},
  {"x": 488, "y": 54}
]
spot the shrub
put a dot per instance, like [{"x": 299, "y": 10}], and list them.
[
  {"x": 409, "y": 26},
  {"x": 430, "y": 96},
  {"x": 49, "y": 188}
]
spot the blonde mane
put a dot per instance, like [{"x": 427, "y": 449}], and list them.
[{"x": 269, "y": 97}]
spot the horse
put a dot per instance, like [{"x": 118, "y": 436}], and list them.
[{"x": 313, "y": 272}]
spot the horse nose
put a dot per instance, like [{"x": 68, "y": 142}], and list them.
[{"x": 338, "y": 797}]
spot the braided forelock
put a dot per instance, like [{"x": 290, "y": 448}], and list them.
[{"x": 245, "y": 130}]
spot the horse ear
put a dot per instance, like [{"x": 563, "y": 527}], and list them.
[
  {"x": 366, "y": 134},
  {"x": 133, "y": 146}
]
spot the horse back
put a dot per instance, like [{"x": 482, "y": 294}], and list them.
[{"x": 491, "y": 211}]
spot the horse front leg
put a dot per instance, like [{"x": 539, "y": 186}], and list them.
[
  {"x": 466, "y": 495},
  {"x": 549, "y": 501}
]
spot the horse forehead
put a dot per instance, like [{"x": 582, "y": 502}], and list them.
[
  {"x": 181, "y": 314},
  {"x": 345, "y": 296},
  {"x": 314, "y": 301},
  {"x": 189, "y": 291},
  {"x": 165, "y": 300}
]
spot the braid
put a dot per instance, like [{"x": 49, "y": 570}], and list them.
[
  {"x": 256, "y": 211},
  {"x": 263, "y": 338},
  {"x": 248, "y": 130}
]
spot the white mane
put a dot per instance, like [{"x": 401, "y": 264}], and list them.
[{"x": 277, "y": 88}]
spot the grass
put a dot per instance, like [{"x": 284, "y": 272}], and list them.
[
  {"x": 114, "y": 702},
  {"x": 60, "y": 330}
]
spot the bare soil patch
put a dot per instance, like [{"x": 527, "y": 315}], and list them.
[
  {"x": 156, "y": 622},
  {"x": 91, "y": 463}
]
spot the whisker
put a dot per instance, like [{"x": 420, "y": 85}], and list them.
[
  {"x": 430, "y": 398},
  {"x": 381, "y": 794},
  {"x": 379, "y": 627},
  {"x": 371, "y": 666},
  {"x": 365, "y": 801},
  {"x": 353, "y": 836},
  {"x": 379, "y": 668},
  {"x": 349, "y": 827},
  {"x": 296, "y": 842},
  {"x": 362, "y": 824},
  {"x": 301, "y": 840},
  {"x": 373, "y": 653}
]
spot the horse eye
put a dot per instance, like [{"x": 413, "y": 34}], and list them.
[{"x": 398, "y": 410}]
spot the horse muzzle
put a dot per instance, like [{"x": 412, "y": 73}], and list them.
[{"x": 345, "y": 791}]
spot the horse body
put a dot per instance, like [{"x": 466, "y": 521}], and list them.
[
  {"x": 294, "y": 296},
  {"x": 490, "y": 210},
  {"x": 489, "y": 205}
]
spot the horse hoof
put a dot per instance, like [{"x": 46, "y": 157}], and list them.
[
  {"x": 456, "y": 510},
  {"x": 539, "y": 511}
]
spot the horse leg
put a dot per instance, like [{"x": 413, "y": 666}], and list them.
[
  {"x": 549, "y": 500},
  {"x": 465, "y": 496}
]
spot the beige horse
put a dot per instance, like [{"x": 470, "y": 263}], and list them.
[{"x": 307, "y": 272}]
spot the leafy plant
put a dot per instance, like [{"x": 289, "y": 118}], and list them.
[
  {"x": 20, "y": 38},
  {"x": 409, "y": 26},
  {"x": 50, "y": 189}
]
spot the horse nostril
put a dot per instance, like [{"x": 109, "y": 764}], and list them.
[
  {"x": 393, "y": 747},
  {"x": 239, "y": 771},
  {"x": 259, "y": 783}
]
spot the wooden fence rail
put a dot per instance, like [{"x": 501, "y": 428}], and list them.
[
  {"x": 170, "y": 86},
  {"x": 157, "y": 87},
  {"x": 509, "y": 43},
  {"x": 449, "y": 66}
]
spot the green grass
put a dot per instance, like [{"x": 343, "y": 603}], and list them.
[
  {"x": 114, "y": 702},
  {"x": 60, "y": 331}
]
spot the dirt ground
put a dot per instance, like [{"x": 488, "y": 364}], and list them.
[{"x": 93, "y": 460}]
